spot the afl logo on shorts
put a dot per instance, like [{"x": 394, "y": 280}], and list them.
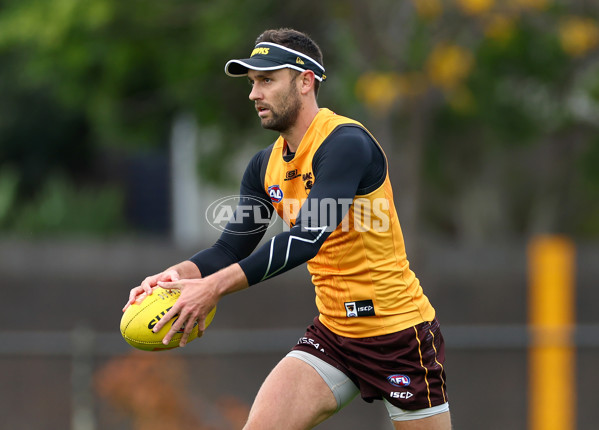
[
  {"x": 399, "y": 380},
  {"x": 275, "y": 193}
]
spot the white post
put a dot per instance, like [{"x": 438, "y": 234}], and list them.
[
  {"x": 82, "y": 372},
  {"x": 187, "y": 218}
]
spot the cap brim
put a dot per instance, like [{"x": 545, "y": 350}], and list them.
[{"x": 237, "y": 68}]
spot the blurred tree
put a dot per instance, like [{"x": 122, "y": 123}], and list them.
[
  {"x": 127, "y": 65},
  {"x": 152, "y": 390},
  {"x": 487, "y": 109},
  {"x": 121, "y": 71},
  {"x": 82, "y": 79}
]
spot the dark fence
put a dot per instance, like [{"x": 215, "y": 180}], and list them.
[{"x": 64, "y": 365}]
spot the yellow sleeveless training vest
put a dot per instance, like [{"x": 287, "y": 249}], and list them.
[{"x": 363, "y": 282}]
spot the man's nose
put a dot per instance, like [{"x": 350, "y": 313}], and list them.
[{"x": 255, "y": 94}]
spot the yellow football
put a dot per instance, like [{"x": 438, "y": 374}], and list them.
[{"x": 140, "y": 318}]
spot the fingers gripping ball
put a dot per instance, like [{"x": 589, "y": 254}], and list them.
[{"x": 140, "y": 318}]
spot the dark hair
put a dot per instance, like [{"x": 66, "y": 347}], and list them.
[{"x": 296, "y": 40}]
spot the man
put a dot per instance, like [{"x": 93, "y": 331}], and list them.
[{"x": 326, "y": 176}]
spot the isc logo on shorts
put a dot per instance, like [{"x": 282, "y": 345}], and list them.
[
  {"x": 400, "y": 395},
  {"x": 275, "y": 193}
]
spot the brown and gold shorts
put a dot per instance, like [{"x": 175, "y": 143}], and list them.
[{"x": 405, "y": 368}]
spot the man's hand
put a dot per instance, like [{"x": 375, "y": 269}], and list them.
[
  {"x": 186, "y": 269},
  {"x": 198, "y": 298}
]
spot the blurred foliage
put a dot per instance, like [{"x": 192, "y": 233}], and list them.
[
  {"x": 496, "y": 109},
  {"x": 152, "y": 391},
  {"x": 60, "y": 208},
  {"x": 127, "y": 66},
  {"x": 488, "y": 109}
]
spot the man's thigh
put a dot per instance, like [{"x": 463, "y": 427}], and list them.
[{"x": 293, "y": 396}]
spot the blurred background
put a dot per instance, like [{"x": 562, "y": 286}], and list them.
[{"x": 118, "y": 128}]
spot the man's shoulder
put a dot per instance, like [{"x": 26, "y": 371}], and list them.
[
  {"x": 349, "y": 134},
  {"x": 334, "y": 120},
  {"x": 256, "y": 168},
  {"x": 263, "y": 155}
]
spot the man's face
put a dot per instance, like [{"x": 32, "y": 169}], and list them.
[{"x": 276, "y": 98}]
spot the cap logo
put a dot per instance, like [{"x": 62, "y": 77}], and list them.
[
  {"x": 261, "y": 51},
  {"x": 298, "y": 60}
]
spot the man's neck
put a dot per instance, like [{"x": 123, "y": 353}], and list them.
[{"x": 295, "y": 134}]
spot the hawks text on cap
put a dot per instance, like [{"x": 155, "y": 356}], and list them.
[{"x": 262, "y": 51}]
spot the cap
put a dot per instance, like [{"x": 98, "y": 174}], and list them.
[{"x": 272, "y": 56}]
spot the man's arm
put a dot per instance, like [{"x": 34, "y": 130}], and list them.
[
  {"x": 341, "y": 170},
  {"x": 347, "y": 163},
  {"x": 240, "y": 237},
  {"x": 246, "y": 227}
]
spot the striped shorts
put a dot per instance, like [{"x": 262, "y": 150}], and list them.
[{"x": 404, "y": 368}]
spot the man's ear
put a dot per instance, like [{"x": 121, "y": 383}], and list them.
[{"x": 307, "y": 79}]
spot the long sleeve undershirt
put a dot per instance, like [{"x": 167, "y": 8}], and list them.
[{"x": 348, "y": 163}]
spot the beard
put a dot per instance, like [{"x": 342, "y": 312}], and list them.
[{"x": 283, "y": 118}]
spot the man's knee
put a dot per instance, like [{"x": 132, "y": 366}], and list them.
[{"x": 440, "y": 421}]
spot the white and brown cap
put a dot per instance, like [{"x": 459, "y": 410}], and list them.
[{"x": 271, "y": 56}]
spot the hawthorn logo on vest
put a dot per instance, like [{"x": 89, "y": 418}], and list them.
[
  {"x": 350, "y": 309},
  {"x": 275, "y": 193},
  {"x": 308, "y": 181}
]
